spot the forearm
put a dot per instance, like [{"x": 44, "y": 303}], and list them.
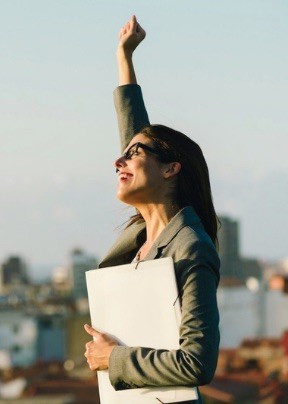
[
  {"x": 194, "y": 363},
  {"x": 126, "y": 69},
  {"x": 131, "y": 112}
]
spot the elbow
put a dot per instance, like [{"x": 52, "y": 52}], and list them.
[
  {"x": 201, "y": 369},
  {"x": 205, "y": 376},
  {"x": 205, "y": 361},
  {"x": 207, "y": 366}
]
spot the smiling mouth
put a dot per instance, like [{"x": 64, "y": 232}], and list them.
[{"x": 124, "y": 176}]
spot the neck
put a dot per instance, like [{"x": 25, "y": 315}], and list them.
[{"x": 156, "y": 216}]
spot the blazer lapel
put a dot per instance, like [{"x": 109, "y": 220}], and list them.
[
  {"x": 185, "y": 217},
  {"x": 126, "y": 246},
  {"x": 129, "y": 242}
]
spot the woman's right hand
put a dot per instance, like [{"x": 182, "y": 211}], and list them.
[{"x": 130, "y": 36}]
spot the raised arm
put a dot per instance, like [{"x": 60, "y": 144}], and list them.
[
  {"x": 130, "y": 37},
  {"x": 131, "y": 112}
]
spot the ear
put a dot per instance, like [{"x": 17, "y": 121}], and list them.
[{"x": 171, "y": 169}]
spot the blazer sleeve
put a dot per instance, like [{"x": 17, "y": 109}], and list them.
[
  {"x": 131, "y": 112},
  {"x": 194, "y": 363}
]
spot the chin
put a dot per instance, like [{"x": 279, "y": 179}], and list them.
[
  {"x": 126, "y": 198},
  {"x": 122, "y": 197}
]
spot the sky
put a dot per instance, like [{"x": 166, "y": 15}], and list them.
[{"x": 215, "y": 70}]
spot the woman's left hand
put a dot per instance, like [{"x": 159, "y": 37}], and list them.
[{"x": 99, "y": 350}]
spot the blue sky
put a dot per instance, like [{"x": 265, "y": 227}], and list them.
[{"x": 216, "y": 70}]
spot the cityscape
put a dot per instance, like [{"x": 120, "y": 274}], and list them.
[{"x": 42, "y": 337}]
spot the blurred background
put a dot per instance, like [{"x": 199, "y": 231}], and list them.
[{"x": 216, "y": 71}]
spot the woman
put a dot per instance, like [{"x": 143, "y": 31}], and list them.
[{"x": 163, "y": 174}]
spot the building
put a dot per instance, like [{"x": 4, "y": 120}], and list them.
[
  {"x": 51, "y": 338},
  {"x": 18, "y": 333},
  {"x": 61, "y": 281},
  {"x": 14, "y": 272},
  {"x": 76, "y": 338},
  {"x": 80, "y": 262},
  {"x": 229, "y": 246},
  {"x": 251, "y": 267}
]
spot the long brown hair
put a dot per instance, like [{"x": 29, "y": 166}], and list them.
[{"x": 193, "y": 183}]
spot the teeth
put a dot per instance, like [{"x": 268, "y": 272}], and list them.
[{"x": 124, "y": 175}]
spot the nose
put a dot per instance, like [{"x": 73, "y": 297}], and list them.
[{"x": 120, "y": 162}]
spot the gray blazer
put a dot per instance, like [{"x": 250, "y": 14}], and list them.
[{"x": 197, "y": 271}]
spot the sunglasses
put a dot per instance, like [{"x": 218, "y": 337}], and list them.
[{"x": 134, "y": 150}]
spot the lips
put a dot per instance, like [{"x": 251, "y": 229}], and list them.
[{"x": 124, "y": 176}]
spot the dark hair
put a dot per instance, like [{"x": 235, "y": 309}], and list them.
[{"x": 193, "y": 184}]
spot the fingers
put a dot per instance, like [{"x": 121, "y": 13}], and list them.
[
  {"x": 90, "y": 348},
  {"x": 133, "y": 25},
  {"x": 91, "y": 331},
  {"x": 91, "y": 362},
  {"x": 130, "y": 26},
  {"x": 122, "y": 32},
  {"x": 141, "y": 31},
  {"x": 89, "y": 356},
  {"x": 98, "y": 350}
]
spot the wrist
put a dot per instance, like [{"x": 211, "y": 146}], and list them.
[
  {"x": 109, "y": 354},
  {"x": 124, "y": 53}
]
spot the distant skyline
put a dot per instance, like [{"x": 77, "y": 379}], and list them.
[{"x": 215, "y": 70}]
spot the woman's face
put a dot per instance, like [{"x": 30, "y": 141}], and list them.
[{"x": 140, "y": 174}]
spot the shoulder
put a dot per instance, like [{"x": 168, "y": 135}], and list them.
[
  {"x": 194, "y": 251},
  {"x": 193, "y": 240}
]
